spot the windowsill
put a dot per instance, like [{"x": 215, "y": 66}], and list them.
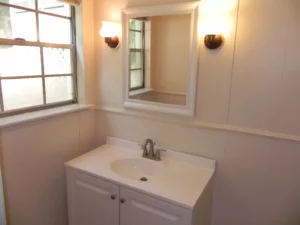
[
  {"x": 139, "y": 92},
  {"x": 41, "y": 114}
]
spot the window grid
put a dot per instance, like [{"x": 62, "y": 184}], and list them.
[
  {"x": 41, "y": 45},
  {"x": 142, "y": 51}
]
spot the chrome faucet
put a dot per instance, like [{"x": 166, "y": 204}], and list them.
[{"x": 150, "y": 153}]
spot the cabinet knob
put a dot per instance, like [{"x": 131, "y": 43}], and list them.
[
  {"x": 113, "y": 197},
  {"x": 122, "y": 200}
]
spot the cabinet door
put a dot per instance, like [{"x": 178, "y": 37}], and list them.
[
  {"x": 140, "y": 209},
  {"x": 91, "y": 201}
]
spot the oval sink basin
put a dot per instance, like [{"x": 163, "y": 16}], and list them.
[{"x": 136, "y": 169}]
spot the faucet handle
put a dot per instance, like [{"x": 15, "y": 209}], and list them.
[{"x": 157, "y": 153}]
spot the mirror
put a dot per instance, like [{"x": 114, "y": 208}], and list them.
[{"x": 161, "y": 58}]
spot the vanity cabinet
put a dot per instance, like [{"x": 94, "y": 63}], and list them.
[
  {"x": 140, "y": 209},
  {"x": 93, "y": 201}
]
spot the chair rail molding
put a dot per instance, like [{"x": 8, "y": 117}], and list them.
[{"x": 203, "y": 125}]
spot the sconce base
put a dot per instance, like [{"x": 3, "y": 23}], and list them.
[
  {"x": 213, "y": 41},
  {"x": 112, "y": 42}
]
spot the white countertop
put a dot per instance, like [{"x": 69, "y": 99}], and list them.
[{"x": 181, "y": 177}]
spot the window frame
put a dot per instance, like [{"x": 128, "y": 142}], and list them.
[
  {"x": 41, "y": 45},
  {"x": 142, "y": 51}
]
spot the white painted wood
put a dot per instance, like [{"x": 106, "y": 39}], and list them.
[
  {"x": 32, "y": 157},
  {"x": 159, "y": 10},
  {"x": 141, "y": 209},
  {"x": 202, "y": 124},
  {"x": 265, "y": 84},
  {"x": 89, "y": 200},
  {"x": 170, "y": 9},
  {"x": 33, "y": 43},
  {"x": 42, "y": 114}
]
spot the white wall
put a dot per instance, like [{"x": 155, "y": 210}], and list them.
[
  {"x": 32, "y": 158},
  {"x": 251, "y": 85}
]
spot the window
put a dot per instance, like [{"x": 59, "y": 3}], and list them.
[
  {"x": 137, "y": 52},
  {"x": 37, "y": 55}
]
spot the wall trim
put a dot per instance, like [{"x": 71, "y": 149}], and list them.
[
  {"x": 204, "y": 125},
  {"x": 41, "y": 115}
]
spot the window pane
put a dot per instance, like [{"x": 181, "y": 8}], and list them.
[
  {"x": 54, "y": 6},
  {"x": 19, "y": 61},
  {"x": 135, "y": 24},
  {"x": 54, "y": 29},
  {"x": 59, "y": 89},
  {"x": 136, "y": 59},
  {"x": 20, "y": 93},
  {"x": 136, "y": 77},
  {"x": 57, "y": 61},
  {"x": 16, "y": 23},
  {"x": 23, "y": 3},
  {"x": 135, "y": 40}
]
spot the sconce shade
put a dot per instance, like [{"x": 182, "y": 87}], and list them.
[
  {"x": 213, "y": 41},
  {"x": 109, "y": 31}
]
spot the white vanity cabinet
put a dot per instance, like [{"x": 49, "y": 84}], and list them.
[
  {"x": 139, "y": 209},
  {"x": 93, "y": 201},
  {"x": 115, "y": 185}
]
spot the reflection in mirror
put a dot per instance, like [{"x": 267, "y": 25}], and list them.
[{"x": 159, "y": 49}]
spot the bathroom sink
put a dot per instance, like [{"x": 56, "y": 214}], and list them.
[
  {"x": 177, "y": 178},
  {"x": 136, "y": 169}
]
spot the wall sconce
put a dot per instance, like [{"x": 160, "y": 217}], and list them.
[
  {"x": 110, "y": 32},
  {"x": 213, "y": 41}
]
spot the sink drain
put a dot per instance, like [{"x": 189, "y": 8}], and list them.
[{"x": 144, "y": 179}]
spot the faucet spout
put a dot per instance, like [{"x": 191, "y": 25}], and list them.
[{"x": 148, "y": 151}]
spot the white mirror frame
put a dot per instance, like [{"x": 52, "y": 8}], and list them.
[{"x": 161, "y": 10}]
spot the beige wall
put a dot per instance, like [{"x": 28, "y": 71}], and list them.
[
  {"x": 252, "y": 85},
  {"x": 170, "y": 48}
]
